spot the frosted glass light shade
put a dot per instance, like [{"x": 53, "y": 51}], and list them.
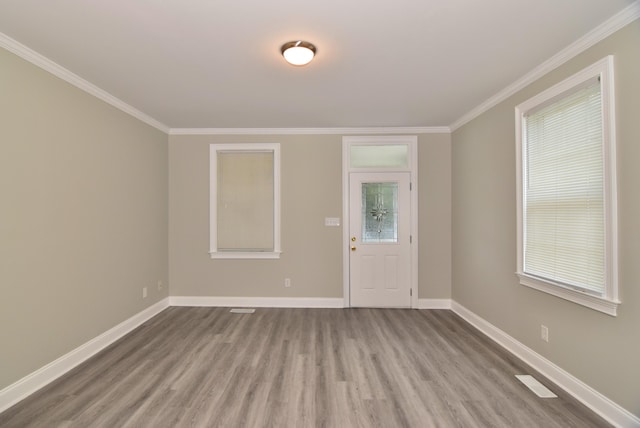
[{"x": 298, "y": 52}]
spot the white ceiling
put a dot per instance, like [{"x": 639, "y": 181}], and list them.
[{"x": 217, "y": 64}]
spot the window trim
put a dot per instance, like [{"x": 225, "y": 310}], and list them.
[
  {"x": 607, "y": 302},
  {"x": 213, "y": 199}
]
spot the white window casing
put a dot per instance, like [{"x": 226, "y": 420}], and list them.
[{"x": 566, "y": 190}]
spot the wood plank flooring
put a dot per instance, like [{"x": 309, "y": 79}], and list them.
[{"x": 207, "y": 367}]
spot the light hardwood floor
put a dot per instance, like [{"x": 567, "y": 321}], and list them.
[{"x": 205, "y": 367}]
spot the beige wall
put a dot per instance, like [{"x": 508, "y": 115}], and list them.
[
  {"x": 311, "y": 190},
  {"x": 434, "y": 205},
  {"x": 83, "y": 217},
  {"x": 601, "y": 350}
]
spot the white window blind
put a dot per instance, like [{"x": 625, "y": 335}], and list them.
[
  {"x": 245, "y": 201},
  {"x": 564, "y": 201}
]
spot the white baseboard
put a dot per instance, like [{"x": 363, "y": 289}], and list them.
[
  {"x": 591, "y": 398},
  {"x": 29, "y": 384},
  {"x": 434, "y": 303},
  {"x": 597, "y": 402},
  {"x": 258, "y": 302}
]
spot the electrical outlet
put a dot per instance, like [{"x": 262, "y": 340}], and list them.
[
  {"x": 144, "y": 292},
  {"x": 544, "y": 333},
  {"x": 287, "y": 282},
  {"x": 159, "y": 285}
]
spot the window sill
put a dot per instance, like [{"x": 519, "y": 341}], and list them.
[
  {"x": 245, "y": 255},
  {"x": 609, "y": 307}
]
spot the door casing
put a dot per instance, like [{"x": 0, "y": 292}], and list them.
[{"x": 412, "y": 142}]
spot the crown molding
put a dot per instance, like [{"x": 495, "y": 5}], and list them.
[
  {"x": 57, "y": 70},
  {"x": 312, "y": 131},
  {"x": 618, "y": 21},
  {"x": 604, "y": 30}
]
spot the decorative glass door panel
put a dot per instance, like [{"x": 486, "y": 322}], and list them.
[{"x": 379, "y": 212}]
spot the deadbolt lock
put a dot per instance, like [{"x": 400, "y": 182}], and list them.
[{"x": 353, "y": 239}]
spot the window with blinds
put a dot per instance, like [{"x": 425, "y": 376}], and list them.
[
  {"x": 566, "y": 187},
  {"x": 244, "y": 201},
  {"x": 564, "y": 194}
]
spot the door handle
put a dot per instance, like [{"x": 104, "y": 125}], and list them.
[{"x": 353, "y": 248}]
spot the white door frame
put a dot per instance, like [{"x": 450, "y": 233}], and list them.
[{"x": 412, "y": 142}]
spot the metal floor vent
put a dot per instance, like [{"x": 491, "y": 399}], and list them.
[
  {"x": 539, "y": 389},
  {"x": 242, "y": 310}
]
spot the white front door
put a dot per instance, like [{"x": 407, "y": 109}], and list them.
[{"x": 380, "y": 246}]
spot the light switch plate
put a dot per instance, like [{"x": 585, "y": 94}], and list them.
[{"x": 332, "y": 221}]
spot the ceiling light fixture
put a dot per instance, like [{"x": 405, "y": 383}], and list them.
[{"x": 298, "y": 52}]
